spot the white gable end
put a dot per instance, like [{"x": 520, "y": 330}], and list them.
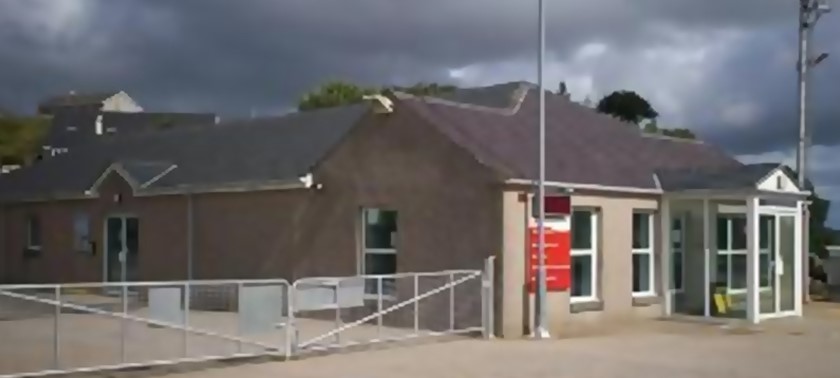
[
  {"x": 778, "y": 181},
  {"x": 121, "y": 102}
]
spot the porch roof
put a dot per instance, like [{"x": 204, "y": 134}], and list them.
[{"x": 761, "y": 180}]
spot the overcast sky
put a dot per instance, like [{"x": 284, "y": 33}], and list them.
[{"x": 723, "y": 68}]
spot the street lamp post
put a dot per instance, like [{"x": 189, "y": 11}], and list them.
[
  {"x": 541, "y": 331},
  {"x": 810, "y": 12}
]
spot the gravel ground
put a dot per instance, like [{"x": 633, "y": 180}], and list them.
[{"x": 785, "y": 348}]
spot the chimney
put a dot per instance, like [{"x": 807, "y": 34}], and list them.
[{"x": 99, "y": 124}]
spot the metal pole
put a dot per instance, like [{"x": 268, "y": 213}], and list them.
[
  {"x": 541, "y": 332},
  {"x": 186, "y": 334},
  {"x": 57, "y": 329},
  {"x": 804, "y": 11},
  {"x": 451, "y": 302},
  {"x": 189, "y": 237},
  {"x": 123, "y": 321},
  {"x": 379, "y": 307},
  {"x": 416, "y": 304}
]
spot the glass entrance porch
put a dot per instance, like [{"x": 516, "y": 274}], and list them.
[{"x": 730, "y": 257}]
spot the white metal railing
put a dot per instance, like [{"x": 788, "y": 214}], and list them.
[
  {"x": 74, "y": 328},
  {"x": 87, "y": 327}
]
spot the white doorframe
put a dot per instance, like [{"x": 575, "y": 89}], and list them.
[{"x": 777, "y": 213}]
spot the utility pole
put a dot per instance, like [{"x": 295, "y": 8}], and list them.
[
  {"x": 540, "y": 310},
  {"x": 810, "y": 12}
]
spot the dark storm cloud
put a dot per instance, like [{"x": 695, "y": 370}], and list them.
[
  {"x": 761, "y": 71},
  {"x": 234, "y": 55}
]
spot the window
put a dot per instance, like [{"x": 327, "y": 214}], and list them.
[
  {"x": 677, "y": 253},
  {"x": 642, "y": 254},
  {"x": 81, "y": 232},
  {"x": 380, "y": 251},
  {"x": 584, "y": 257},
  {"x": 33, "y": 233},
  {"x": 731, "y": 264}
]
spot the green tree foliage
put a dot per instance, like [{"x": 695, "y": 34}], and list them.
[
  {"x": 821, "y": 236},
  {"x": 627, "y": 106},
  {"x": 652, "y": 127},
  {"x": 333, "y": 94},
  {"x": 339, "y": 93},
  {"x": 21, "y": 138}
]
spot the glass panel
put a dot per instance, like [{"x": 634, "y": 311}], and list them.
[
  {"x": 81, "y": 232},
  {"x": 581, "y": 229},
  {"x": 380, "y": 229},
  {"x": 787, "y": 253},
  {"x": 380, "y": 263},
  {"x": 767, "y": 231},
  {"x": 738, "y": 271},
  {"x": 764, "y": 270},
  {"x": 739, "y": 233},
  {"x": 676, "y": 234},
  {"x": 641, "y": 272},
  {"x": 132, "y": 245},
  {"x": 33, "y": 232},
  {"x": 582, "y": 276},
  {"x": 677, "y": 271},
  {"x": 722, "y": 233},
  {"x": 722, "y": 272},
  {"x": 113, "y": 248},
  {"x": 641, "y": 230}
]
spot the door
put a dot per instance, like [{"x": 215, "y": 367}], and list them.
[
  {"x": 785, "y": 266},
  {"x": 122, "y": 247}
]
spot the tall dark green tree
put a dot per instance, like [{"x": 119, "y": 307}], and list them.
[{"x": 627, "y": 106}]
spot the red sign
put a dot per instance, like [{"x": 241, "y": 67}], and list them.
[{"x": 557, "y": 259}]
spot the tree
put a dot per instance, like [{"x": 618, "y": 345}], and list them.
[
  {"x": 21, "y": 138},
  {"x": 652, "y": 127},
  {"x": 339, "y": 93},
  {"x": 424, "y": 89},
  {"x": 332, "y": 94},
  {"x": 627, "y": 106}
]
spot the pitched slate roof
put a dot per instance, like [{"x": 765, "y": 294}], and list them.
[
  {"x": 582, "y": 146},
  {"x": 76, "y": 99},
  {"x": 115, "y": 124},
  {"x": 243, "y": 152},
  {"x": 497, "y": 125},
  {"x": 745, "y": 177}
]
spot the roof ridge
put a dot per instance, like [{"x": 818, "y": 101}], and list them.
[{"x": 519, "y": 96}]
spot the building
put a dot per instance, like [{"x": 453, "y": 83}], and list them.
[
  {"x": 659, "y": 226},
  {"x": 78, "y": 119},
  {"x": 77, "y": 128},
  {"x": 114, "y": 101}
]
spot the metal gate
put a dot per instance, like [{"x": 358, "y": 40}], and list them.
[
  {"x": 339, "y": 312},
  {"x": 75, "y": 328},
  {"x": 70, "y": 328}
]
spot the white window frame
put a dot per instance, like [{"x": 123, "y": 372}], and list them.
[
  {"x": 651, "y": 291},
  {"x": 592, "y": 252},
  {"x": 729, "y": 252},
  {"x": 29, "y": 234},
  {"x": 373, "y": 251}
]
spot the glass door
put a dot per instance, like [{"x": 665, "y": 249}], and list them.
[
  {"x": 785, "y": 267},
  {"x": 121, "y": 249},
  {"x": 766, "y": 264}
]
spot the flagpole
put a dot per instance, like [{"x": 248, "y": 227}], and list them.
[{"x": 541, "y": 332}]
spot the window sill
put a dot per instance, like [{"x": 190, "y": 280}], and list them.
[
  {"x": 646, "y": 300},
  {"x": 586, "y": 306}
]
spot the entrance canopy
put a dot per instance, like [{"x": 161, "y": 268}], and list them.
[{"x": 734, "y": 242}]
